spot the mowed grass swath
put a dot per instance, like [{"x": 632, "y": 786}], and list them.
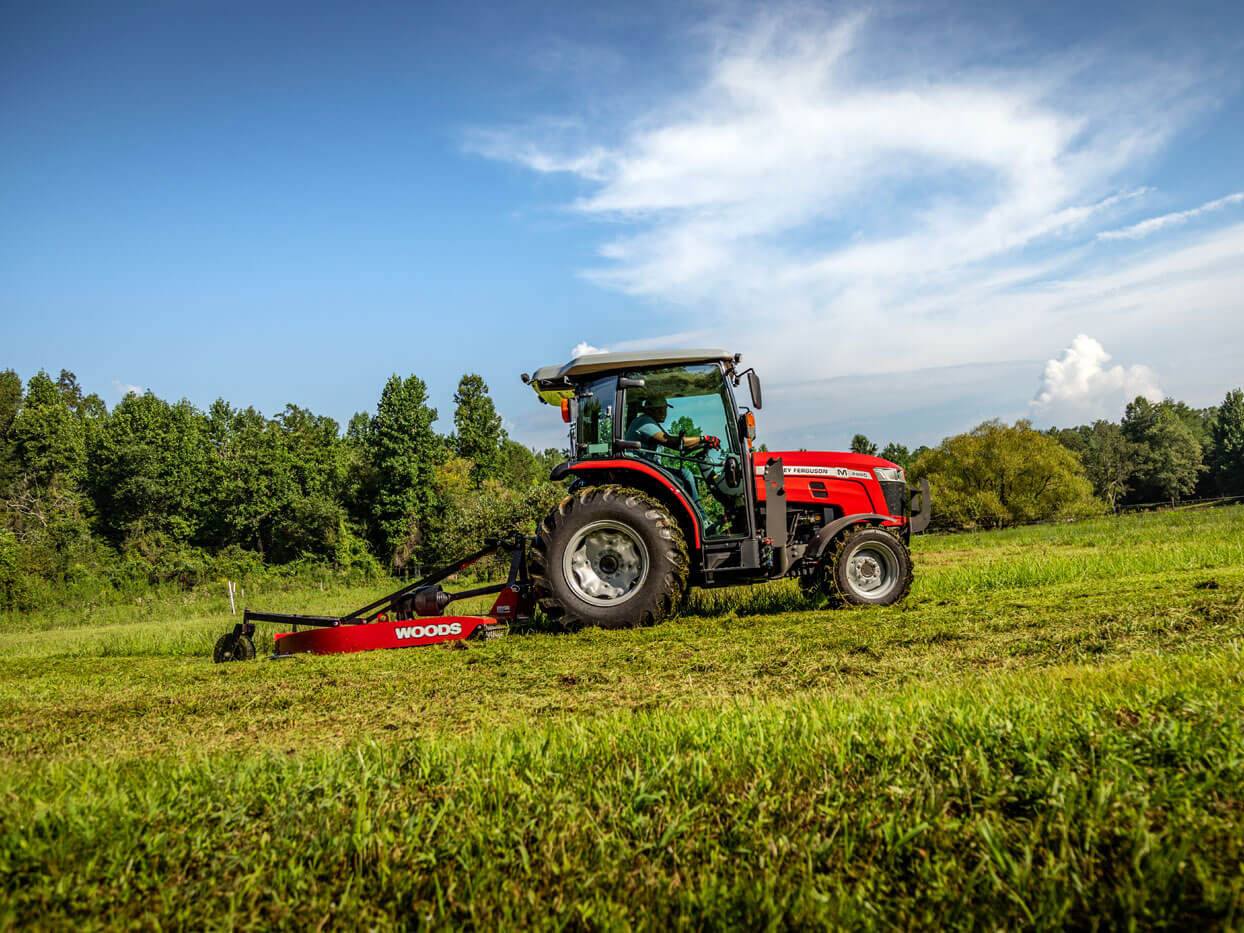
[{"x": 1048, "y": 731}]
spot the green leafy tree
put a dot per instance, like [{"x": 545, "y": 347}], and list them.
[
  {"x": 404, "y": 452},
  {"x": 1074, "y": 439},
  {"x": 311, "y": 520},
  {"x": 862, "y": 445},
  {"x": 1169, "y": 456},
  {"x": 1228, "y": 455},
  {"x": 547, "y": 460},
  {"x": 150, "y": 465},
  {"x": 521, "y": 468},
  {"x": 467, "y": 514},
  {"x": 1200, "y": 421},
  {"x": 278, "y": 485},
  {"x": 48, "y": 436},
  {"x": 897, "y": 453},
  {"x": 478, "y": 435},
  {"x": 360, "y": 477},
  {"x": 242, "y": 478},
  {"x": 997, "y": 475},
  {"x": 44, "y": 509},
  {"x": 1110, "y": 460},
  {"x": 10, "y": 403}
]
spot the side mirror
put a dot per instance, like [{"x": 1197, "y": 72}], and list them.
[{"x": 753, "y": 386}]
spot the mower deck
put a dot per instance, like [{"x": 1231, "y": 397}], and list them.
[
  {"x": 411, "y": 617},
  {"x": 406, "y": 633}
]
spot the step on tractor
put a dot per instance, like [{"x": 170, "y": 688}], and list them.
[{"x": 666, "y": 492}]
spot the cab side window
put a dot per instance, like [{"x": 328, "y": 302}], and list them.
[{"x": 595, "y": 417}]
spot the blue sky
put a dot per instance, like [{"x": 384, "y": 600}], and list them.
[{"x": 910, "y": 218}]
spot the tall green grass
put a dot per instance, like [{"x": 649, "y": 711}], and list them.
[
  {"x": 1077, "y": 797},
  {"x": 1047, "y": 733}
]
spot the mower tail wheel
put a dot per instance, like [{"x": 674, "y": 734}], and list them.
[
  {"x": 231, "y": 647},
  {"x": 609, "y": 556},
  {"x": 866, "y": 567}
]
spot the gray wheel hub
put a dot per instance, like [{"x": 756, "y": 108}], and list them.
[
  {"x": 872, "y": 571},
  {"x": 605, "y": 563}
]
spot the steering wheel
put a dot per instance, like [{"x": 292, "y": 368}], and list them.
[
  {"x": 700, "y": 456},
  {"x": 699, "y": 452}
]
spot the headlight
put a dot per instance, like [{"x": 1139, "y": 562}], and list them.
[{"x": 890, "y": 474}]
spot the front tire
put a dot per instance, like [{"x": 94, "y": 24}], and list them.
[
  {"x": 867, "y": 567},
  {"x": 609, "y": 556}
]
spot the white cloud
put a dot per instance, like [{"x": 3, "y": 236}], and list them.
[
  {"x": 832, "y": 201},
  {"x": 1154, "y": 224},
  {"x": 583, "y": 348},
  {"x": 1080, "y": 381},
  {"x": 124, "y": 388}
]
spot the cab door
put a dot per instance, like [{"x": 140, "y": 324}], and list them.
[{"x": 661, "y": 405}]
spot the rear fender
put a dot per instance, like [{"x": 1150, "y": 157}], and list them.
[{"x": 643, "y": 477}]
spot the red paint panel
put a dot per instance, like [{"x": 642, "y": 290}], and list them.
[
  {"x": 410, "y": 633},
  {"x": 855, "y": 490},
  {"x": 647, "y": 470},
  {"x": 850, "y": 495}
]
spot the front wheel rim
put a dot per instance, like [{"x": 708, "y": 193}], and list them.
[
  {"x": 872, "y": 571},
  {"x": 605, "y": 563}
]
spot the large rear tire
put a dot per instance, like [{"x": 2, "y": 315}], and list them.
[
  {"x": 611, "y": 557},
  {"x": 866, "y": 567}
]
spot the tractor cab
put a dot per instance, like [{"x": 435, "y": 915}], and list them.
[
  {"x": 667, "y": 492},
  {"x": 673, "y": 414}
]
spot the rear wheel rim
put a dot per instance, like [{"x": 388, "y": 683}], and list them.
[
  {"x": 605, "y": 563},
  {"x": 872, "y": 571}
]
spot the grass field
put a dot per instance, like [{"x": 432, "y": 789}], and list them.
[{"x": 1048, "y": 732}]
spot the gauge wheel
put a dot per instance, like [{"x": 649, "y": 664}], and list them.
[
  {"x": 611, "y": 557},
  {"x": 231, "y": 647}
]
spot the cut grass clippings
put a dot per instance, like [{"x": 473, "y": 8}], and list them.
[{"x": 1048, "y": 732}]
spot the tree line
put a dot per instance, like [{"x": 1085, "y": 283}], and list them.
[
  {"x": 1159, "y": 452},
  {"x": 155, "y": 491},
  {"x": 94, "y": 501}
]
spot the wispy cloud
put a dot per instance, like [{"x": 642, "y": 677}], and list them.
[
  {"x": 835, "y": 207},
  {"x": 1143, "y": 229},
  {"x": 122, "y": 389}
]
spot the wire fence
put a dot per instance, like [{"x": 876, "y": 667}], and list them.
[{"x": 1179, "y": 505}]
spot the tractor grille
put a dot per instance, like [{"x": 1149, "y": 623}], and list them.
[{"x": 897, "y": 497}]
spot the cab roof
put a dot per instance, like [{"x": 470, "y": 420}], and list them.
[{"x": 593, "y": 363}]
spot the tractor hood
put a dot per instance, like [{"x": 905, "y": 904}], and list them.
[
  {"x": 854, "y": 483},
  {"x": 835, "y": 464}
]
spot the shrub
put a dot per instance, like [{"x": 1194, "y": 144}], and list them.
[{"x": 997, "y": 475}]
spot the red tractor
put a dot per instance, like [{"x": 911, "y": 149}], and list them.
[{"x": 667, "y": 493}]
